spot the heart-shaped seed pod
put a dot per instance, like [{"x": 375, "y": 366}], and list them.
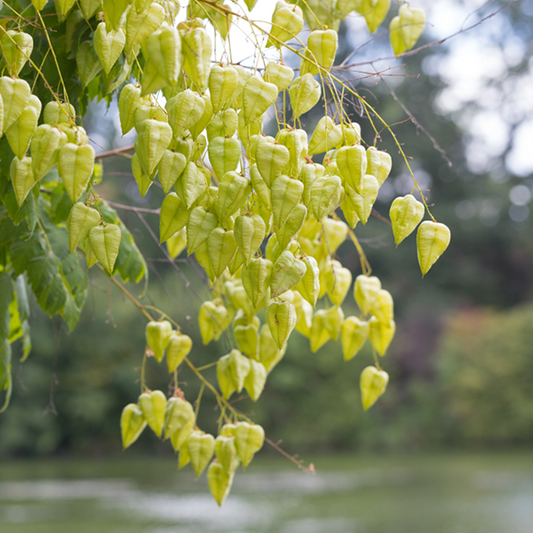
[
  {"x": 260, "y": 187},
  {"x": 213, "y": 319},
  {"x": 247, "y": 131},
  {"x": 325, "y": 196},
  {"x": 373, "y": 385},
  {"x": 250, "y": 4},
  {"x": 170, "y": 168},
  {"x": 224, "y": 381},
  {"x": 335, "y": 233},
  {"x": 200, "y": 448},
  {"x": 227, "y": 453},
  {"x": 128, "y": 102},
  {"x": 287, "y": 22},
  {"x": 365, "y": 292},
  {"x": 184, "y": 110},
  {"x": 341, "y": 286},
  {"x": 89, "y": 7},
  {"x": 364, "y": 201},
  {"x": 178, "y": 415},
  {"x": 354, "y": 333},
  {"x": 20, "y": 133},
  {"x": 333, "y": 319},
  {"x": 318, "y": 335},
  {"x": 249, "y": 440},
  {"x": 310, "y": 172},
  {"x": 153, "y": 405},
  {"x": 75, "y": 165},
  {"x": 292, "y": 226},
  {"x": 327, "y": 134},
  {"x": 108, "y": 45},
  {"x": 285, "y": 194},
  {"x": 348, "y": 209},
  {"x": 222, "y": 82},
  {"x": 320, "y": 52},
  {"x": 157, "y": 337},
  {"x": 256, "y": 278},
  {"x": 233, "y": 190},
  {"x": 17, "y": 47},
  {"x": 383, "y": 306},
  {"x": 105, "y": 242},
  {"x": 224, "y": 155},
  {"x": 381, "y": 334},
  {"x": 177, "y": 243},
  {"x": 269, "y": 353},
  {"x": 58, "y": 113},
  {"x": 178, "y": 439},
  {"x": 191, "y": 185},
  {"x": 201, "y": 224},
  {"x": 257, "y": 96},
  {"x": 236, "y": 367},
  {"x": 288, "y": 272},
  {"x": 173, "y": 217},
  {"x": 220, "y": 481},
  {"x": 309, "y": 285},
  {"x": 249, "y": 234},
  {"x": 45, "y": 146},
  {"x": 305, "y": 318},
  {"x": 374, "y": 12},
  {"x": 351, "y": 134},
  {"x": 15, "y": 96},
  {"x": 115, "y": 12},
  {"x": 304, "y": 93},
  {"x": 221, "y": 247},
  {"x": 88, "y": 63},
  {"x": 139, "y": 26},
  {"x": 432, "y": 240},
  {"x": 406, "y": 213},
  {"x": 81, "y": 220},
  {"x": 280, "y": 75},
  {"x": 178, "y": 348},
  {"x": 406, "y": 28},
  {"x": 296, "y": 142},
  {"x": 271, "y": 159},
  {"x": 132, "y": 424},
  {"x": 255, "y": 380},
  {"x": 247, "y": 339},
  {"x": 197, "y": 49},
  {"x": 151, "y": 143},
  {"x": 379, "y": 164},
  {"x": 197, "y": 128},
  {"x": 281, "y": 318},
  {"x": 184, "y": 458},
  {"x": 224, "y": 124},
  {"x": 352, "y": 163},
  {"x": 22, "y": 178}
]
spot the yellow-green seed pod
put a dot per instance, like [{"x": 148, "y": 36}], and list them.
[
  {"x": 269, "y": 353},
  {"x": 39, "y": 4},
  {"x": 249, "y": 234},
  {"x": 184, "y": 458},
  {"x": 309, "y": 285},
  {"x": 173, "y": 217},
  {"x": 75, "y": 165},
  {"x": 224, "y": 155},
  {"x": 309, "y": 173},
  {"x": 151, "y": 143},
  {"x": 325, "y": 196},
  {"x": 287, "y": 22},
  {"x": 320, "y": 52},
  {"x": 227, "y": 453},
  {"x": 406, "y": 28},
  {"x": 81, "y": 220},
  {"x": 233, "y": 190},
  {"x": 221, "y": 247},
  {"x": 220, "y": 481},
  {"x": 354, "y": 333},
  {"x": 89, "y": 7},
  {"x": 63, "y": 7},
  {"x": 281, "y": 318},
  {"x": 318, "y": 334},
  {"x": 327, "y": 134},
  {"x": 223, "y": 378},
  {"x": 223, "y": 81},
  {"x": 108, "y": 45},
  {"x": 256, "y": 278},
  {"x": 139, "y": 26},
  {"x": 184, "y": 110},
  {"x": 201, "y": 224},
  {"x": 257, "y": 96},
  {"x": 247, "y": 339},
  {"x": 296, "y": 142},
  {"x": 249, "y": 440},
  {"x": 255, "y": 380},
  {"x": 153, "y": 405},
  {"x": 260, "y": 187},
  {"x": 224, "y": 124},
  {"x": 278, "y": 74},
  {"x": 132, "y": 424},
  {"x": 170, "y": 168},
  {"x": 365, "y": 291},
  {"x": 381, "y": 334},
  {"x": 285, "y": 194},
  {"x": 203, "y": 259},
  {"x": 177, "y": 243},
  {"x": 292, "y": 226},
  {"x": 115, "y": 12},
  {"x": 363, "y": 202},
  {"x": 22, "y": 178},
  {"x": 58, "y": 113},
  {"x": 191, "y": 185},
  {"x": 178, "y": 439},
  {"x": 200, "y": 448},
  {"x": 333, "y": 319},
  {"x": 178, "y": 348},
  {"x": 15, "y": 96},
  {"x": 348, "y": 209},
  {"x": 351, "y": 134},
  {"x": 379, "y": 164},
  {"x": 204, "y": 120},
  {"x": 20, "y": 133},
  {"x": 45, "y": 146},
  {"x": 352, "y": 164},
  {"x": 236, "y": 367},
  {"x": 271, "y": 159},
  {"x": 157, "y": 337},
  {"x": 178, "y": 415},
  {"x": 432, "y": 240},
  {"x": 17, "y": 47},
  {"x": 288, "y": 272},
  {"x": 373, "y": 385},
  {"x": 213, "y": 319},
  {"x": 128, "y": 102},
  {"x": 197, "y": 49},
  {"x": 304, "y": 93},
  {"x": 335, "y": 233},
  {"x": 341, "y": 286},
  {"x": 406, "y": 213}
]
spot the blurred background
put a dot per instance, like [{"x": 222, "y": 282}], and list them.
[{"x": 448, "y": 448}]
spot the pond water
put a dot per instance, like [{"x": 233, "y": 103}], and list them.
[{"x": 490, "y": 493}]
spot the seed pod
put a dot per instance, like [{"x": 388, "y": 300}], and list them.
[
  {"x": 351, "y": 134},
  {"x": 224, "y": 381},
  {"x": 235, "y": 368},
  {"x": 19, "y": 134},
  {"x": 233, "y": 190},
  {"x": 213, "y": 318},
  {"x": 288, "y": 272},
  {"x": 58, "y": 113},
  {"x": 364, "y": 201},
  {"x": 184, "y": 458},
  {"x": 108, "y": 45},
  {"x": 151, "y": 144},
  {"x": 406, "y": 213},
  {"x": 89, "y": 7},
  {"x": 139, "y": 26},
  {"x": 63, "y": 6},
  {"x": 75, "y": 165},
  {"x": 185, "y": 109},
  {"x": 256, "y": 278},
  {"x": 309, "y": 285},
  {"x": 178, "y": 348},
  {"x": 39, "y": 4},
  {"x": 249, "y": 440},
  {"x": 432, "y": 240},
  {"x": 204, "y": 120},
  {"x": 287, "y": 22},
  {"x": 224, "y": 124},
  {"x": 352, "y": 164},
  {"x": 292, "y": 226},
  {"x": 105, "y": 242},
  {"x": 45, "y": 146},
  {"x": 223, "y": 81},
  {"x": 128, "y": 102},
  {"x": 221, "y": 247},
  {"x": 278, "y": 74},
  {"x": 132, "y": 424},
  {"x": 308, "y": 175},
  {"x": 326, "y": 135},
  {"x": 304, "y": 93},
  {"x": 81, "y": 220},
  {"x": 249, "y": 234},
  {"x": 379, "y": 164},
  {"x": 247, "y": 339},
  {"x": 269, "y": 354},
  {"x": 341, "y": 286},
  {"x": 321, "y": 49},
  {"x": 22, "y": 178},
  {"x": 224, "y": 155},
  {"x": 365, "y": 291},
  {"x": 177, "y": 243},
  {"x": 296, "y": 142},
  {"x": 201, "y": 224},
  {"x": 281, "y": 318},
  {"x": 373, "y": 385},
  {"x": 333, "y": 319},
  {"x": 115, "y": 12},
  {"x": 170, "y": 168},
  {"x": 17, "y": 47},
  {"x": 203, "y": 259},
  {"x": 335, "y": 233},
  {"x": 191, "y": 185},
  {"x": 255, "y": 380},
  {"x": 178, "y": 439},
  {"x": 153, "y": 405},
  {"x": 381, "y": 334},
  {"x": 174, "y": 216},
  {"x": 227, "y": 453},
  {"x": 354, "y": 333},
  {"x": 318, "y": 335},
  {"x": 178, "y": 415},
  {"x": 285, "y": 195},
  {"x": 325, "y": 196},
  {"x": 15, "y": 95},
  {"x": 259, "y": 185},
  {"x": 88, "y": 63},
  {"x": 374, "y": 12},
  {"x": 257, "y": 96},
  {"x": 197, "y": 49},
  {"x": 383, "y": 306},
  {"x": 200, "y": 448},
  {"x": 157, "y": 337},
  {"x": 220, "y": 481},
  {"x": 406, "y": 28},
  {"x": 271, "y": 159}
]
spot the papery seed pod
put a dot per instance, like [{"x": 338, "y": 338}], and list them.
[
  {"x": 191, "y": 185},
  {"x": 185, "y": 109},
  {"x": 269, "y": 353},
  {"x": 287, "y": 22},
  {"x": 204, "y": 120},
  {"x": 15, "y": 96},
  {"x": 341, "y": 286},
  {"x": 256, "y": 278},
  {"x": 213, "y": 318},
  {"x": 197, "y": 48},
  {"x": 348, "y": 209},
  {"x": 365, "y": 291},
  {"x": 45, "y": 145},
  {"x": 151, "y": 143},
  {"x": 89, "y": 7},
  {"x": 184, "y": 458},
  {"x": 177, "y": 243},
  {"x": 146, "y": 111},
  {"x": 200, "y": 448},
  {"x": 128, "y": 102},
  {"x": 406, "y": 28},
  {"x": 304, "y": 93},
  {"x": 249, "y": 440},
  {"x": 364, "y": 201},
  {"x": 333, "y": 319},
  {"x": 227, "y": 453},
  {"x": 178, "y": 348},
  {"x": 280, "y": 75},
  {"x": 335, "y": 233},
  {"x": 383, "y": 306},
  {"x": 432, "y": 240},
  {"x": 351, "y": 134},
  {"x": 170, "y": 168},
  {"x": 373, "y": 385},
  {"x": 233, "y": 190},
  {"x": 224, "y": 381},
  {"x": 379, "y": 164},
  {"x": 20, "y": 133},
  {"x": 219, "y": 481},
  {"x": 90, "y": 258},
  {"x": 247, "y": 339},
  {"x": 354, "y": 333},
  {"x": 202, "y": 257},
  {"x": 309, "y": 285},
  {"x": 58, "y": 113},
  {"x": 255, "y": 380},
  {"x": 224, "y": 124},
  {"x": 153, "y": 405},
  {"x": 271, "y": 159},
  {"x": 260, "y": 187},
  {"x": 381, "y": 334},
  {"x": 406, "y": 213},
  {"x": 374, "y": 12},
  {"x": 224, "y": 155},
  {"x": 75, "y": 165},
  {"x": 81, "y": 220},
  {"x": 281, "y": 318},
  {"x": 178, "y": 439},
  {"x": 249, "y": 234},
  {"x": 327, "y": 134},
  {"x": 115, "y": 12},
  {"x": 179, "y": 414},
  {"x": 17, "y": 47},
  {"x": 310, "y": 172},
  {"x": 22, "y": 177},
  {"x": 108, "y": 45},
  {"x": 352, "y": 164},
  {"x": 236, "y": 368},
  {"x": 221, "y": 247},
  {"x": 88, "y": 63},
  {"x": 105, "y": 242},
  {"x": 173, "y": 217},
  {"x": 132, "y": 424},
  {"x": 325, "y": 196},
  {"x": 201, "y": 224},
  {"x": 139, "y": 26},
  {"x": 318, "y": 335},
  {"x": 157, "y": 337},
  {"x": 296, "y": 142},
  {"x": 257, "y": 96},
  {"x": 287, "y": 273},
  {"x": 285, "y": 194},
  {"x": 292, "y": 226},
  {"x": 320, "y": 52},
  {"x": 223, "y": 81}
]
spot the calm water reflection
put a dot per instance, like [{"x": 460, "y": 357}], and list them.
[{"x": 424, "y": 494}]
